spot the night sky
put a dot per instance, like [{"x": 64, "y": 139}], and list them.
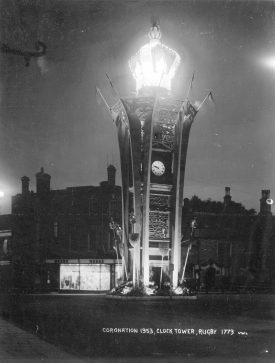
[{"x": 49, "y": 113}]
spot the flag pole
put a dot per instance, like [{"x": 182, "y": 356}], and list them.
[
  {"x": 190, "y": 86},
  {"x": 113, "y": 86},
  {"x": 162, "y": 73},
  {"x": 188, "y": 249},
  {"x": 203, "y": 101},
  {"x": 103, "y": 99},
  {"x": 118, "y": 265},
  {"x": 161, "y": 271},
  {"x": 124, "y": 263},
  {"x": 188, "y": 92},
  {"x": 185, "y": 263}
]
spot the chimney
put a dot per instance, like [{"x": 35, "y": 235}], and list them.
[
  {"x": 227, "y": 198},
  {"x": 111, "y": 170},
  {"x": 265, "y": 207},
  {"x": 25, "y": 185},
  {"x": 42, "y": 183}
]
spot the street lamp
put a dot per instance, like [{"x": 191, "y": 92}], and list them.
[{"x": 269, "y": 62}]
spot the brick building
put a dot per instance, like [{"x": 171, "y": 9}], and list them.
[
  {"x": 236, "y": 244},
  {"x": 61, "y": 238}
]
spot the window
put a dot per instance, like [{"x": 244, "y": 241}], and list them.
[
  {"x": 37, "y": 230},
  {"x": 5, "y": 246},
  {"x": 114, "y": 208},
  {"x": 70, "y": 241},
  {"x": 224, "y": 252},
  {"x": 55, "y": 229},
  {"x": 93, "y": 205},
  {"x": 91, "y": 239}
]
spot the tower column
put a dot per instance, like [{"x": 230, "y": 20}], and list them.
[
  {"x": 147, "y": 157},
  {"x": 182, "y": 131},
  {"x": 153, "y": 133}
]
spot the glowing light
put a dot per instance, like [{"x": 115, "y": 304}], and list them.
[
  {"x": 2, "y": 194},
  {"x": 269, "y": 62},
  {"x": 269, "y": 201},
  {"x": 155, "y": 64},
  {"x": 84, "y": 277}
]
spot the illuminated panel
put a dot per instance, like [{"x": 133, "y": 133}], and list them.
[
  {"x": 159, "y": 225},
  {"x": 84, "y": 277},
  {"x": 105, "y": 277},
  {"x": 69, "y": 277},
  {"x": 90, "y": 277},
  {"x": 94, "y": 277},
  {"x": 160, "y": 202},
  {"x": 155, "y": 64},
  {"x": 118, "y": 271}
]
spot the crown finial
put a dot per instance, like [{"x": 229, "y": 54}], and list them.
[
  {"x": 155, "y": 33},
  {"x": 155, "y": 64}
]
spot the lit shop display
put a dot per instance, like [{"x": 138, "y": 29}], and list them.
[
  {"x": 69, "y": 277},
  {"x": 85, "y": 277}
]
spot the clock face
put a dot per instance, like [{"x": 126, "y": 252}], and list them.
[{"x": 158, "y": 168}]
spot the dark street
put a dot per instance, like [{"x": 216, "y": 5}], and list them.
[{"x": 217, "y": 326}]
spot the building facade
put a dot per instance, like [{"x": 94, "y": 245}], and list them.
[
  {"x": 5, "y": 252},
  {"x": 61, "y": 239},
  {"x": 231, "y": 247}
]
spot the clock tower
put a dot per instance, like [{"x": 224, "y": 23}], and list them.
[{"x": 153, "y": 131}]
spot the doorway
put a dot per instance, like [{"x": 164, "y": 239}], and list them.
[{"x": 155, "y": 275}]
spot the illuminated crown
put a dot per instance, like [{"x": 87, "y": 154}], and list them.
[
  {"x": 154, "y": 32},
  {"x": 155, "y": 64}
]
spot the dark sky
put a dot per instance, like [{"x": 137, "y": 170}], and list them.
[{"x": 49, "y": 114}]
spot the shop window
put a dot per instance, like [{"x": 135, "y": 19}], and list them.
[{"x": 85, "y": 277}]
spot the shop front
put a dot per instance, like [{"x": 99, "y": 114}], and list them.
[{"x": 84, "y": 274}]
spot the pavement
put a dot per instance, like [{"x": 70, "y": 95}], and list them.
[{"x": 17, "y": 345}]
